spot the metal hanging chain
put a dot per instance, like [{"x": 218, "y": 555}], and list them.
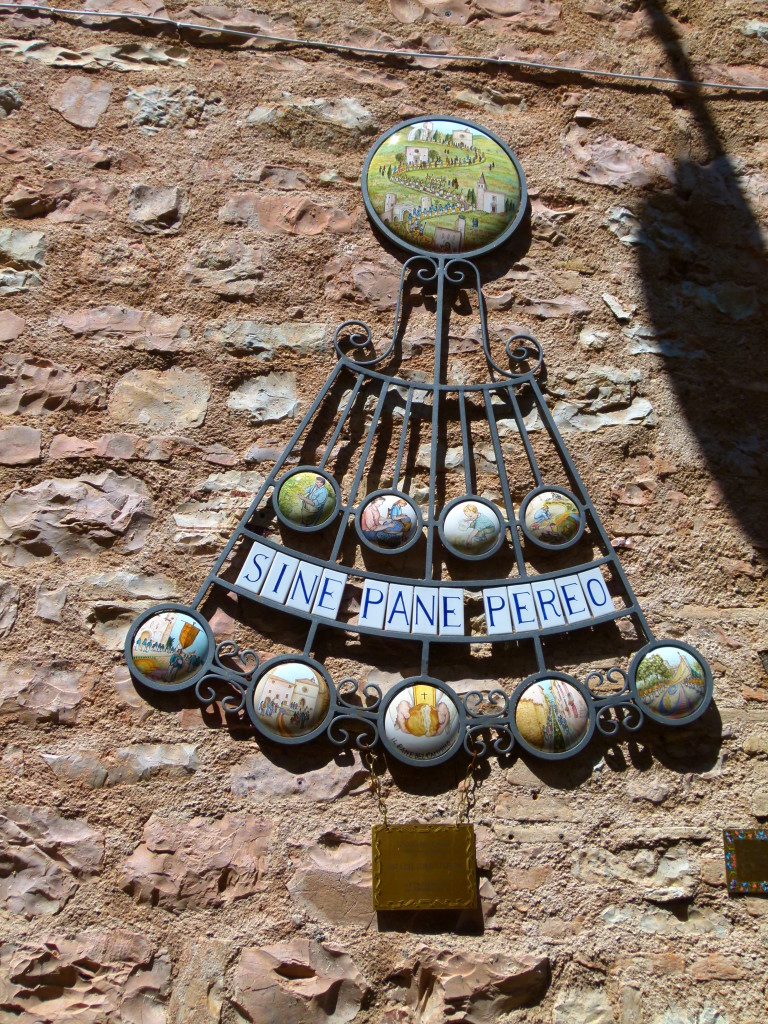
[
  {"x": 370, "y": 760},
  {"x": 373, "y": 51},
  {"x": 465, "y": 800}
]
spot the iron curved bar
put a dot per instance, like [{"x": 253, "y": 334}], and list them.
[
  {"x": 456, "y": 271},
  {"x": 230, "y": 649},
  {"x": 348, "y": 687},
  {"x": 356, "y": 341},
  {"x": 612, "y": 675},
  {"x": 475, "y": 698},
  {"x": 520, "y": 354},
  {"x": 505, "y": 741},
  {"x": 206, "y": 693},
  {"x": 617, "y": 714},
  {"x": 474, "y": 744},
  {"x": 367, "y": 730}
]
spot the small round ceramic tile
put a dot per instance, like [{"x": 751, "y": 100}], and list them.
[
  {"x": 388, "y": 521},
  {"x": 306, "y": 499},
  {"x": 471, "y": 528},
  {"x": 671, "y": 682},
  {"x": 291, "y": 699},
  {"x": 169, "y": 647},
  {"x": 440, "y": 185},
  {"x": 552, "y": 716},
  {"x": 421, "y": 722},
  {"x": 552, "y": 518}
]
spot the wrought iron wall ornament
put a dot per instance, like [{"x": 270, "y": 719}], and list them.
[{"x": 417, "y": 562}]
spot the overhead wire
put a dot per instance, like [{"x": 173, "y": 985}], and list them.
[{"x": 374, "y": 51}]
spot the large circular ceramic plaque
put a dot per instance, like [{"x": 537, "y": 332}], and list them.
[
  {"x": 169, "y": 647},
  {"x": 552, "y": 716},
  {"x": 421, "y": 722},
  {"x": 670, "y": 681},
  {"x": 440, "y": 185},
  {"x": 291, "y": 699}
]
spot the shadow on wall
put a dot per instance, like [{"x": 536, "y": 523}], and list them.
[{"x": 703, "y": 263}]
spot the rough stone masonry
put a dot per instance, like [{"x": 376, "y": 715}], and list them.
[{"x": 181, "y": 230}]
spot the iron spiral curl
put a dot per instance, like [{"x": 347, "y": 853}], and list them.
[
  {"x": 366, "y": 728},
  {"x": 207, "y": 692},
  {"x": 229, "y": 649},
  {"x": 349, "y": 687}
]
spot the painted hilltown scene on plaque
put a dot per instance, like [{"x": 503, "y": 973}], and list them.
[
  {"x": 444, "y": 186},
  {"x": 671, "y": 682},
  {"x": 552, "y": 715},
  {"x": 291, "y": 699},
  {"x": 169, "y": 647},
  {"x": 422, "y": 721}
]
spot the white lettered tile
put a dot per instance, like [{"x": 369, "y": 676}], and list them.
[
  {"x": 497, "y": 615},
  {"x": 547, "y": 603},
  {"x": 426, "y": 615},
  {"x": 279, "y": 577},
  {"x": 451, "y": 611},
  {"x": 329, "y": 594},
  {"x": 572, "y": 599},
  {"x": 301, "y": 593},
  {"x": 373, "y": 604},
  {"x": 596, "y": 591},
  {"x": 523, "y": 608},
  {"x": 255, "y": 567},
  {"x": 399, "y": 608}
]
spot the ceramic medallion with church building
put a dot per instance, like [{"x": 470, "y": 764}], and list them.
[{"x": 291, "y": 699}]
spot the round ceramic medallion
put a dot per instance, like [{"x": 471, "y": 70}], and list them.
[
  {"x": 291, "y": 699},
  {"x": 439, "y": 185},
  {"x": 388, "y": 521},
  {"x": 552, "y": 716},
  {"x": 169, "y": 647},
  {"x": 422, "y": 722},
  {"x": 671, "y": 682},
  {"x": 552, "y": 518},
  {"x": 306, "y": 498},
  {"x": 471, "y": 528}
]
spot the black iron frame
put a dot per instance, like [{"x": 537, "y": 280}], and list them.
[{"x": 361, "y": 709}]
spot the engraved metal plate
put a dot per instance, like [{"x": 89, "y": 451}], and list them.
[
  {"x": 424, "y": 867},
  {"x": 746, "y": 860}
]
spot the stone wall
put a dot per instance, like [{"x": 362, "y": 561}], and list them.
[{"x": 182, "y": 227}]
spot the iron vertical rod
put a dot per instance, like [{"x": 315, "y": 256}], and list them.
[
  {"x": 439, "y": 311},
  {"x": 403, "y": 436},
  {"x": 502, "y": 471},
  {"x": 340, "y": 425},
  {"x": 465, "y": 441},
  {"x": 532, "y": 461}
]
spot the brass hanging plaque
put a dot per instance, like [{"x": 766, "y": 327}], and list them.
[
  {"x": 424, "y": 867},
  {"x": 746, "y": 860}
]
